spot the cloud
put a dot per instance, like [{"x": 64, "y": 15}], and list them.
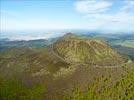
[
  {"x": 128, "y": 5},
  {"x": 31, "y": 37},
  {"x": 92, "y": 6},
  {"x": 101, "y": 15}
]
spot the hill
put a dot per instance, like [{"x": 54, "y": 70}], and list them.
[
  {"x": 92, "y": 70},
  {"x": 78, "y": 49}
]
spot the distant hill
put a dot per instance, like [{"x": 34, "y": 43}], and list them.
[{"x": 6, "y": 44}]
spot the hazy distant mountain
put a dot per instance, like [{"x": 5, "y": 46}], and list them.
[{"x": 7, "y": 43}]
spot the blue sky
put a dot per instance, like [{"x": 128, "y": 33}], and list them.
[
  {"x": 110, "y": 15},
  {"x": 40, "y": 14}
]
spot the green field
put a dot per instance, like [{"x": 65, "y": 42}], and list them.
[{"x": 126, "y": 43}]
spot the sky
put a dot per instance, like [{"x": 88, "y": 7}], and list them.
[{"x": 100, "y": 15}]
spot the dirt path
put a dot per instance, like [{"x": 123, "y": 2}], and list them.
[{"x": 62, "y": 59}]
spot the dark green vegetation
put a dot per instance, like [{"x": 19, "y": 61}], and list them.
[
  {"x": 73, "y": 68},
  {"x": 13, "y": 89},
  {"x": 122, "y": 89}
]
